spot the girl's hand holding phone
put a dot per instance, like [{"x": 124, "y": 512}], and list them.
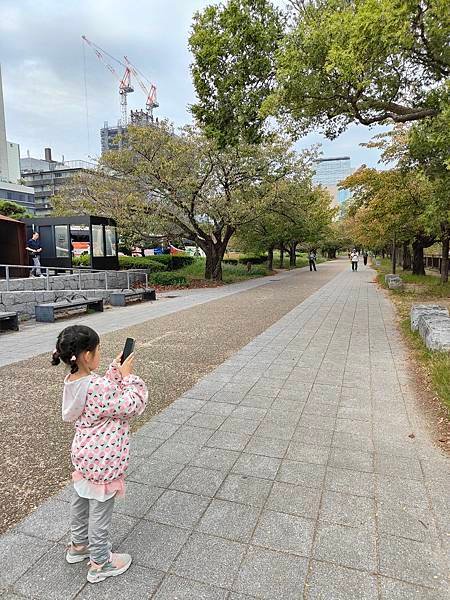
[{"x": 126, "y": 368}]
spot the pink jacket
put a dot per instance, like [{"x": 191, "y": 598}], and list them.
[{"x": 101, "y": 408}]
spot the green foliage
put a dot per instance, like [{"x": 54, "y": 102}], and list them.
[
  {"x": 167, "y": 278},
  {"x": 172, "y": 262},
  {"x": 369, "y": 62},
  {"x": 140, "y": 262},
  {"x": 233, "y": 71},
  {"x": 13, "y": 210},
  {"x": 81, "y": 261}
]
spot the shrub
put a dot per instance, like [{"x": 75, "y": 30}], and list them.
[
  {"x": 167, "y": 278},
  {"x": 81, "y": 261},
  {"x": 255, "y": 260},
  {"x": 140, "y": 262},
  {"x": 230, "y": 261},
  {"x": 173, "y": 262}
]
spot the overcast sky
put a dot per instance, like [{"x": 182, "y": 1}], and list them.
[{"x": 42, "y": 61}]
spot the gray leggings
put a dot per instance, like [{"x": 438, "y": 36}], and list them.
[{"x": 90, "y": 524}]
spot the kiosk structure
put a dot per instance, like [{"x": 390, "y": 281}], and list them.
[{"x": 59, "y": 234}]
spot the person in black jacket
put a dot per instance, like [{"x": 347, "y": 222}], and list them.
[{"x": 34, "y": 248}]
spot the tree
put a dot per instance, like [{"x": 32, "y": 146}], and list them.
[
  {"x": 102, "y": 193},
  {"x": 13, "y": 210},
  {"x": 233, "y": 71},
  {"x": 297, "y": 214},
  {"x": 388, "y": 207},
  {"x": 423, "y": 148},
  {"x": 365, "y": 61},
  {"x": 183, "y": 180}
]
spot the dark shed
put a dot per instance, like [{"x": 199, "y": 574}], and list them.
[{"x": 12, "y": 246}]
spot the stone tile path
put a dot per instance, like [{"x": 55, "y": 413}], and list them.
[{"x": 287, "y": 473}]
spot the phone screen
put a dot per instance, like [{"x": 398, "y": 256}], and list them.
[{"x": 128, "y": 349}]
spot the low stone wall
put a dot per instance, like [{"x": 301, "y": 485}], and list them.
[{"x": 89, "y": 281}]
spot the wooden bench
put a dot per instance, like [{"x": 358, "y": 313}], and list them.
[
  {"x": 125, "y": 296},
  {"x": 9, "y": 321},
  {"x": 45, "y": 313}
]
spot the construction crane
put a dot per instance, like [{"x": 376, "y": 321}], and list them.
[
  {"x": 149, "y": 89},
  {"x": 125, "y": 86}
]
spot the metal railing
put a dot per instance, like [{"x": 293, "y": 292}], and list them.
[{"x": 73, "y": 271}]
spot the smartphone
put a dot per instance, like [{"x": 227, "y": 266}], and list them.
[{"x": 127, "y": 349}]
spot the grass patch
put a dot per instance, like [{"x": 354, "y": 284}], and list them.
[
  {"x": 421, "y": 288},
  {"x": 231, "y": 273}
]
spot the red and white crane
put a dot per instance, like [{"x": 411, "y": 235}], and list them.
[{"x": 125, "y": 83}]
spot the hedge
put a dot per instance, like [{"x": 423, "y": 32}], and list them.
[
  {"x": 167, "y": 278},
  {"x": 173, "y": 262},
  {"x": 140, "y": 262},
  {"x": 243, "y": 260}
]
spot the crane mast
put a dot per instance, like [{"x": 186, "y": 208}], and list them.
[{"x": 125, "y": 84}]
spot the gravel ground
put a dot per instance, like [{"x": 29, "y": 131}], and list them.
[{"x": 172, "y": 353}]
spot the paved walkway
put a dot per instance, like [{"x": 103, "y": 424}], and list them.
[
  {"x": 286, "y": 473},
  {"x": 36, "y": 338}
]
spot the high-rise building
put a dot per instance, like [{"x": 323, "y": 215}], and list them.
[
  {"x": 329, "y": 172},
  {"x": 114, "y": 138},
  {"x": 47, "y": 177},
  {"x": 10, "y": 187}
]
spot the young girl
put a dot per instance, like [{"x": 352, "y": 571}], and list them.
[{"x": 101, "y": 408}]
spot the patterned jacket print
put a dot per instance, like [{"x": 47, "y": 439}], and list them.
[{"x": 102, "y": 407}]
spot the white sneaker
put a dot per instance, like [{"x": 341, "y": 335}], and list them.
[{"x": 116, "y": 565}]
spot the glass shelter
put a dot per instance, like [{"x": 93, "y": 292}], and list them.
[{"x": 62, "y": 238}]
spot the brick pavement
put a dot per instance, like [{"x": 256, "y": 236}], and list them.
[{"x": 286, "y": 473}]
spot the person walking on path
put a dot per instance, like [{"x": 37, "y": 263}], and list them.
[
  {"x": 312, "y": 261},
  {"x": 34, "y": 248},
  {"x": 101, "y": 408},
  {"x": 354, "y": 258},
  {"x": 365, "y": 255}
]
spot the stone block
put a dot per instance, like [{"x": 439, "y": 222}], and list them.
[
  {"x": 417, "y": 310},
  {"x": 435, "y": 332},
  {"x": 395, "y": 283}
]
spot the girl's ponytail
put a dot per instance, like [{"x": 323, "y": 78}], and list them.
[{"x": 71, "y": 342}]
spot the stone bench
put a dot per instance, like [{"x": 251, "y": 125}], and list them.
[
  {"x": 417, "y": 310},
  {"x": 45, "y": 313},
  {"x": 435, "y": 332},
  {"x": 9, "y": 321},
  {"x": 126, "y": 296}
]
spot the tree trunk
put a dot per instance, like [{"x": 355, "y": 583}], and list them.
[
  {"x": 292, "y": 254},
  {"x": 281, "y": 256},
  {"x": 418, "y": 267},
  {"x": 445, "y": 238},
  {"x": 214, "y": 249},
  {"x": 394, "y": 257},
  {"x": 406, "y": 257},
  {"x": 270, "y": 258},
  {"x": 332, "y": 253}
]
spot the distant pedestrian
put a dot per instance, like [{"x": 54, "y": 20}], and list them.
[
  {"x": 365, "y": 255},
  {"x": 101, "y": 408},
  {"x": 312, "y": 261},
  {"x": 34, "y": 249},
  {"x": 354, "y": 258}
]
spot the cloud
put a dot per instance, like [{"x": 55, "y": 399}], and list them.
[{"x": 43, "y": 70}]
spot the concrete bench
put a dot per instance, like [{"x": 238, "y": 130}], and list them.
[
  {"x": 9, "y": 321},
  {"x": 127, "y": 296},
  {"x": 45, "y": 313},
  {"x": 417, "y": 310}
]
